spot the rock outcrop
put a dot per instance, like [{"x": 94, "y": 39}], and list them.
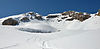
[
  {"x": 70, "y": 16},
  {"x": 10, "y": 21},
  {"x": 25, "y": 19},
  {"x": 68, "y": 12},
  {"x": 38, "y": 17},
  {"x": 77, "y": 16},
  {"x": 98, "y": 13},
  {"x": 33, "y": 15}
]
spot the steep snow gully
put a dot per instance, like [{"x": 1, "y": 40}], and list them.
[{"x": 68, "y": 30}]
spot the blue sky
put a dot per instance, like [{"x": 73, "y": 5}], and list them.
[{"x": 12, "y": 7}]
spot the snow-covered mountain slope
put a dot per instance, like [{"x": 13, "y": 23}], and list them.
[
  {"x": 86, "y": 40},
  {"x": 57, "y": 32}
]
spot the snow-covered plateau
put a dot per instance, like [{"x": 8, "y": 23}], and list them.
[{"x": 68, "y": 30}]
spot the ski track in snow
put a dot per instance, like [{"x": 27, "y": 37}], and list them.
[{"x": 9, "y": 46}]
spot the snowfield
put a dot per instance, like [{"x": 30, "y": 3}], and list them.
[{"x": 51, "y": 35}]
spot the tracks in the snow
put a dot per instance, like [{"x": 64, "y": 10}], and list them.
[{"x": 9, "y": 46}]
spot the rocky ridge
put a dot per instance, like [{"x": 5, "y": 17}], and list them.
[{"x": 30, "y": 16}]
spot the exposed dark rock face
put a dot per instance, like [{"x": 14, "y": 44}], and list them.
[
  {"x": 53, "y": 16},
  {"x": 79, "y": 16},
  {"x": 10, "y": 21},
  {"x": 87, "y": 16},
  {"x": 71, "y": 15},
  {"x": 70, "y": 19},
  {"x": 63, "y": 17},
  {"x": 59, "y": 20},
  {"x": 25, "y": 19},
  {"x": 38, "y": 17},
  {"x": 82, "y": 17}
]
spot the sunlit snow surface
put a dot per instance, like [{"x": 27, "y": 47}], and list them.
[{"x": 52, "y": 35}]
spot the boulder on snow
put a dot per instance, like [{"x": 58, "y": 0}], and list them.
[
  {"x": 25, "y": 19},
  {"x": 10, "y": 21}
]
